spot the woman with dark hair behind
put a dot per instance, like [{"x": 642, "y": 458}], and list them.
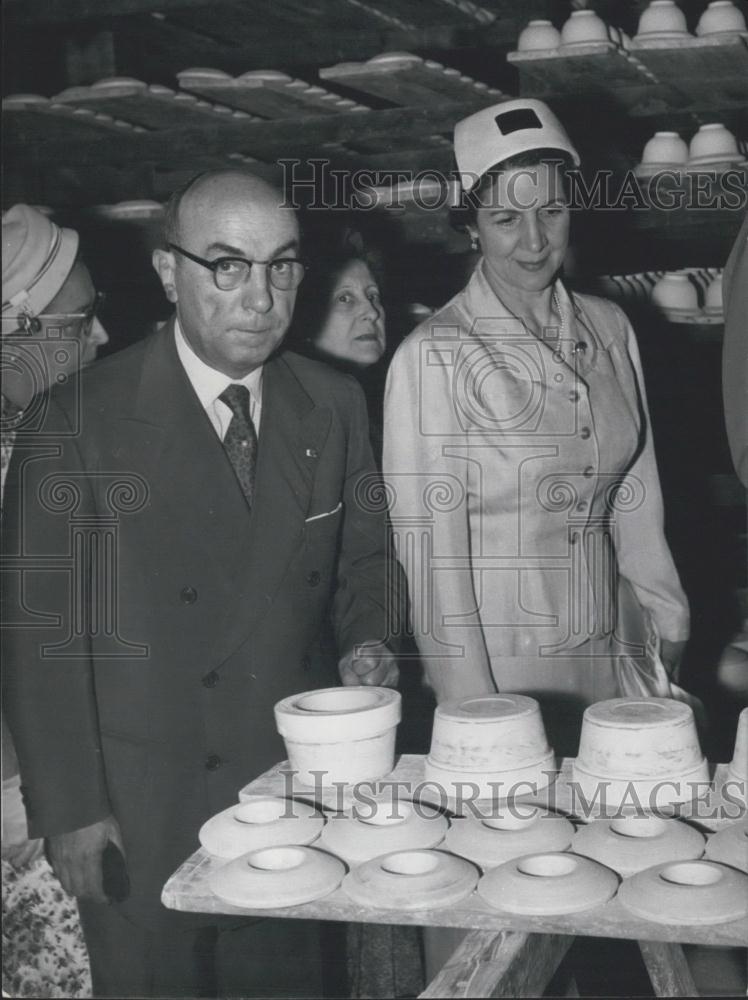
[{"x": 340, "y": 319}]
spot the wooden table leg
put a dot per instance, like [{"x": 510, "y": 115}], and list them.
[
  {"x": 668, "y": 969},
  {"x": 503, "y": 964}
]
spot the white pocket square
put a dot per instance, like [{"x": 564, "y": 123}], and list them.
[{"x": 327, "y": 513}]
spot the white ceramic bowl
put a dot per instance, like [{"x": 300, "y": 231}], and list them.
[
  {"x": 730, "y": 846},
  {"x": 720, "y": 16},
  {"x": 489, "y": 740},
  {"x": 538, "y": 35},
  {"x": 582, "y": 27},
  {"x": 633, "y": 843},
  {"x": 687, "y": 892},
  {"x": 277, "y": 877},
  {"x": 265, "y": 821},
  {"x": 713, "y": 142},
  {"x": 666, "y": 149},
  {"x": 548, "y": 883},
  {"x": 411, "y": 880},
  {"x": 390, "y": 826},
  {"x": 662, "y": 16},
  {"x": 346, "y": 733},
  {"x": 675, "y": 291},
  {"x": 639, "y": 754},
  {"x": 489, "y": 843}
]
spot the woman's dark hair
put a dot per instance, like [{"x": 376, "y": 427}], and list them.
[
  {"x": 327, "y": 262},
  {"x": 465, "y": 213}
]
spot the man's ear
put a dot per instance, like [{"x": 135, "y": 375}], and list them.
[{"x": 164, "y": 264}]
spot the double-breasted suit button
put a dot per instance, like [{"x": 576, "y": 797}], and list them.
[
  {"x": 188, "y": 595},
  {"x": 585, "y": 433},
  {"x": 574, "y": 396},
  {"x": 588, "y": 472},
  {"x": 210, "y": 680},
  {"x": 314, "y": 578},
  {"x": 212, "y": 762},
  {"x": 582, "y": 505},
  {"x": 306, "y": 663}
]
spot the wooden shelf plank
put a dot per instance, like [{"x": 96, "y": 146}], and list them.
[
  {"x": 267, "y": 93},
  {"x": 37, "y": 115},
  {"x": 407, "y": 80},
  {"x": 152, "y": 106}
]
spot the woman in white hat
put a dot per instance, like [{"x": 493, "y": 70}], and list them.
[
  {"x": 518, "y": 453},
  {"x": 49, "y": 331}
]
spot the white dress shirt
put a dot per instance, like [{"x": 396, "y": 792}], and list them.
[{"x": 209, "y": 384}]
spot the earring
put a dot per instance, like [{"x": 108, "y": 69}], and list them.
[
  {"x": 474, "y": 243},
  {"x": 171, "y": 293}
]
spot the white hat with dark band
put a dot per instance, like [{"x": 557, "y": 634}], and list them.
[{"x": 494, "y": 134}]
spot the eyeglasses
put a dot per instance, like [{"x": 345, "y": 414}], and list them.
[
  {"x": 284, "y": 273},
  {"x": 33, "y": 324}
]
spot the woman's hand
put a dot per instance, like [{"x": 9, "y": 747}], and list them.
[{"x": 23, "y": 854}]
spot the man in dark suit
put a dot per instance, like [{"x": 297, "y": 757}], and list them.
[{"x": 177, "y": 528}]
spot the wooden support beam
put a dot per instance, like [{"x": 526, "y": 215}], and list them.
[
  {"x": 507, "y": 964},
  {"x": 267, "y": 140},
  {"x": 668, "y": 969}
]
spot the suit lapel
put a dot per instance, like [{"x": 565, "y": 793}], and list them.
[{"x": 292, "y": 435}]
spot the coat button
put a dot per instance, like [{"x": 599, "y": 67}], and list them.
[
  {"x": 582, "y": 505},
  {"x": 210, "y": 680},
  {"x": 313, "y": 578},
  {"x": 588, "y": 472},
  {"x": 188, "y": 595},
  {"x": 585, "y": 433},
  {"x": 213, "y": 762},
  {"x": 574, "y": 395},
  {"x": 306, "y": 663}
]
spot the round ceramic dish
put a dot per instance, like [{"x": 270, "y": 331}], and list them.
[
  {"x": 633, "y": 843},
  {"x": 261, "y": 822},
  {"x": 548, "y": 883},
  {"x": 411, "y": 880},
  {"x": 730, "y": 846},
  {"x": 687, "y": 892},
  {"x": 344, "y": 734},
  {"x": 639, "y": 754},
  {"x": 276, "y": 877},
  {"x": 398, "y": 826},
  {"x": 491, "y": 842}
]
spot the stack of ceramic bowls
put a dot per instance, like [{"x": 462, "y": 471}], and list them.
[
  {"x": 714, "y": 147},
  {"x": 582, "y": 29},
  {"x": 638, "y": 755},
  {"x": 661, "y": 21},
  {"x": 496, "y": 743},
  {"x": 664, "y": 151},
  {"x": 343, "y": 734},
  {"x": 675, "y": 295},
  {"x": 737, "y": 770},
  {"x": 721, "y": 19}
]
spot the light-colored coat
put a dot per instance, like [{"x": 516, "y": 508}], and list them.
[{"x": 523, "y": 485}]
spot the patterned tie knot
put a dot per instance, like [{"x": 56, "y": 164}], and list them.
[{"x": 236, "y": 397}]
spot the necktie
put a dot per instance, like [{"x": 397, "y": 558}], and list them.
[{"x": 241, "y": 438}]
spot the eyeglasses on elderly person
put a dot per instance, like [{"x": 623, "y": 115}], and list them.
[{"x": 284, "y": 273}]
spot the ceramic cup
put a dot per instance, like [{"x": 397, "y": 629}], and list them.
[
  {"x": 584, "y": 26},
  {"x": 662, "y": 16},
  {"x": 720, "y": 16},
  {"x": 713, "y": 142},
  {"x": 538, "y": 35},
  {"x": 675, "y": 291},
  {"x": 665, "y": 148}
]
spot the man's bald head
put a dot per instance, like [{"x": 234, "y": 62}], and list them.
[{"x": 218, "y": 187}]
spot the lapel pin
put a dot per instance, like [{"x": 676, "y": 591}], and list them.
[{"x": 312, "y": 453}]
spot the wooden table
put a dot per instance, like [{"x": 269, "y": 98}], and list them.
[{"x": 505, "y": 954}]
